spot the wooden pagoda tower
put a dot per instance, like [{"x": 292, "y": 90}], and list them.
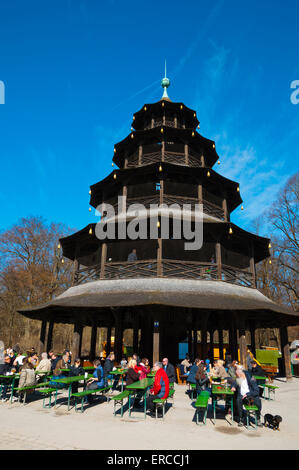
[{"x": 165, "y": 292}]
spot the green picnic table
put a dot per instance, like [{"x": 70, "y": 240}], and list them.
[
  {"x": 9, "y": 378},
  {"x": 121, "y": 373},
  {"x": 221, "y": 392},
  {"x": 140, "y": 386},
  {"x": 69, "y": 381}
]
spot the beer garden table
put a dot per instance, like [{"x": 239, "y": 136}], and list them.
[
  {"x": 142, "y": 386},
  {"x": 221, "y": 392},
  {"x": 121, "y": 373},
  {"x": 69, "y": 381}
]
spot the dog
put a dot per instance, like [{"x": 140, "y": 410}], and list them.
[{"x": 272, "y": 422}]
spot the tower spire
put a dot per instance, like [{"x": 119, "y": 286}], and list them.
[{"x": 165, "y": 82}]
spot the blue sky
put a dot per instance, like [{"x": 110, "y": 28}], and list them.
[{"x": 76, "y": 71}]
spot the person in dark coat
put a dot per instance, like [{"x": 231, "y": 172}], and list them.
[
  {"x": 246, "y": 390},
  {"x": 191, "y": 377},
  {"x": 256, "y": 369},
  {"x": 169, "y": 369},
  {"x": 202, "y": 379}
]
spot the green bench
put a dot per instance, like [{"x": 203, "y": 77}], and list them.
[
  {"x": 119, "y": 400},
  {"x": 30, "y": 387},
  {"x": 161, "y": 402},
  {"x": 271, "y": 389},
  {"x": 47, "y": 392},
  {"x": 85, "y": 393},
  {"x": 201, "y": 404},
  {"x": 251, "y": 410}
]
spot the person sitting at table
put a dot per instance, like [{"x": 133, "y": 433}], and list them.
[
  {"x": 27, "y": 376},
  {"x": 208, "y": 365},
  {"x": 169, "y": 369},
  {"x": 58, "y": 373},
  {"x": 247, "y": 390},
  {"x": 256, "y": 369},
  {"x": 219, "y": 370},
  {"x": 160, "y": 387},
  {"x": 97, "y": 381},
  {"x": 133, "y": 375},
  {"x": 33, "y": 359},
  {"x": 123, "y": 363},
  {"x": 108, "y": 367},
  {"x": 144, "y": 369},
  {"x": 231, "y": 371},
  {"x": 45, "y": 363},
  {"x": 186, "y": 365},
  {"x": 133, "y": 372},
  {"x": 5, "y": 369},
  {"x": 201, "y": 377},
  {"x": 194, "y": 368}
]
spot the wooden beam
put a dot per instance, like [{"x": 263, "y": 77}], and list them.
[
  {"x": 42, "y": 336},
  {"x": 103, "y": 260},
  {"x": 218, "y": 261},
  {"x": 285, "y": 349}
]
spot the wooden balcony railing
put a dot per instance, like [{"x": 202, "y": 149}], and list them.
[
  {"x": 178, "y": 158},
  {"x": 168, "y": 268}
]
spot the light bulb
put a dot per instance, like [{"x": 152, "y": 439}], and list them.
[
  {"x": 218, "y": 162},
  {"x": 242, "y": 208},
  {"x": 213, "y": 146},
  {"x": 208, "y": 174},
  {"x": 132, "y": 136},
  {"x": 270, "y": 261},
  {"x": 193, "y": 134},
  {"x": 158, "y": 224},
  {"x": 90, "y": 231},
  {"x": 230, "y": 230},
  {"x": 162, "y": 104},
  {"x": 269, "y": 246},
  {"x": 162, "y": 130},
  {"x": 89, "y": 192},
  {"x": 160, "y": 168},
  {"x": 62, "y": 261},
  {"x": 181, "y": 106},
  {"x": 89, "y": 209},
  {"x": 114, "y": 176},
  {"x": 145, "y": 108},
  {"x": 238, "y": 189},
  {"x": 133, "y": 118},
  {"x": 58, "y": 246}
]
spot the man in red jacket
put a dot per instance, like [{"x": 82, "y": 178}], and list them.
[{"x": 160, "y": 387}]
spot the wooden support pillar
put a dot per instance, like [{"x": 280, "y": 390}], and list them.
[
  {"x": 108, "y": 340},
  {"x": 242, "y": 342},
  {"x": 252, "y": 338},
  {"x": 285, "y": 349},
  {"x": 140, "y": 155},
  {"x": 124, "y": 205},
  {"x": 233, "y": 346},
  {"x": 225, "y": 210},
  {"x": 175, "y": 121},
  {"x": 42, "y": 337},
  {"x": 77, "y": 340},
  {"x": 204, "y": 331},
  {"x": 159, "y": 258},
  {"x": 162, "y": 150},
  {"x": 190, "y": 342},
  {"x": 202, "y": 160},
  {"x": 135, "y": 334},
  {"x": 50, "y": 336},
  {"x": 156, "y": 342},
  {"x": 186, "y": 151},
  {"x": 220, "y": 342},
  {"x": 103, "y": 260},
  {"x": 75, "y": 272},
  {"x": 211, "y": 350},
  {"x": 218, "y": 261},
  {"x": 200, "y": 196},
  {"x": 194, "y": 350},
  {"x": 118, "y": 341},
  {"x": 93, "y": 343}
]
